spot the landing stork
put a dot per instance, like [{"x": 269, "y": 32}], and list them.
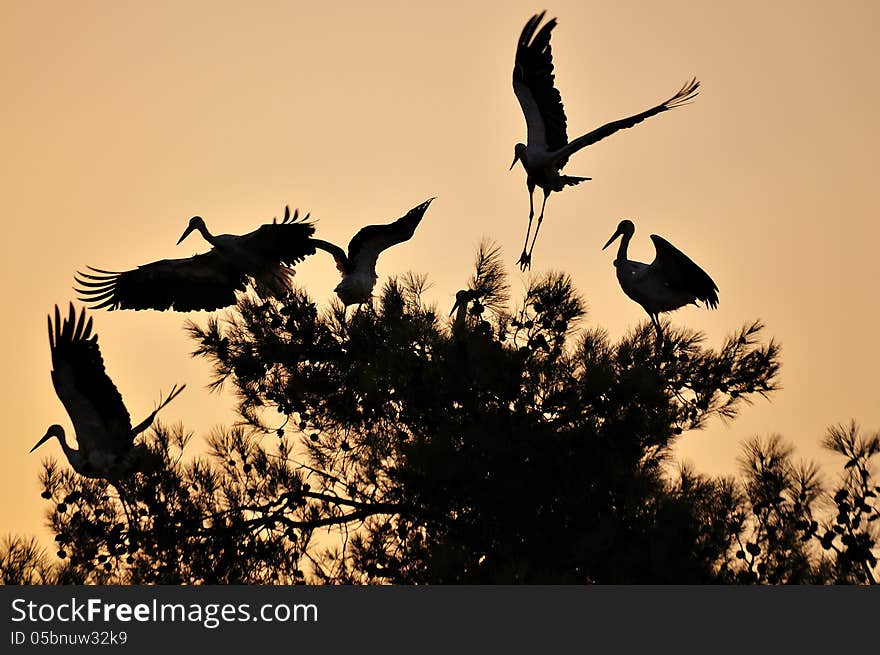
[
  {"x": 358, "y": 267},
  {"x": 101, "y": 421},
  {"x": 548, "y": 147},
  {"x": 671, "y": 281},
  {"x": 208, "y": 281}
]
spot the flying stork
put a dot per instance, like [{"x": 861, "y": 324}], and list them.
[
  {"x": 671, "y": 281},
  {"x": 548, "y": 147},
  {"x": 100, "y": 419},
  {"x": 207, "y": 281},
  {"x": 358, "y": 268}
]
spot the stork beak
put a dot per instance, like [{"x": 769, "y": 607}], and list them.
[
  {"x": 611, "y": 240},
  {"x": 185, "y": 234},
  {"x": 45, "y": 438},
  {"x": 515, "y": 159},
  {"x": 455, "y": 306}
]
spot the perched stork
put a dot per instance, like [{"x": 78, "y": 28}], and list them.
[
  {"x": 671, "y": 281},
  {"x": 463, "y": 300},
  {"x": 207, "y": 281},
  {"x": 548, "y": 147},
  {"x": 99, "y": 417},
  {"x": 358, "y": 268},
  {"x": 487, "y": 287}
]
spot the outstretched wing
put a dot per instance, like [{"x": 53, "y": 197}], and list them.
[
  {"x": 681, "y": 273},
  {"x": 201, "y": 282},
  {"x": 91, "y": 399},
  {"x": 364, "y": 248},
  {"x": 685, "y": 94},
  {"x": 533, "y": 85},
  {"x": 286, "y": 242}
]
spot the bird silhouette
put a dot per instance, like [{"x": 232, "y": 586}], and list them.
[
  {"x": 487, "y": 287},
  {"x": 671, "y": 281},
  {"x": 207, "y": 281},
  {"x": 100, "y": 419},
  {"x": 547, "y": 149},
  {"x": 358, "y": 267}
]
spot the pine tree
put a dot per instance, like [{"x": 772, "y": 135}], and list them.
[{"x": 391, "y": 444}]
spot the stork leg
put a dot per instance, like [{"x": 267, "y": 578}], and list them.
[
  {"x": 655, "y": 321},
  {"x": 129, "y": 514},
  {"x": 538, "y": 226},
  {"x": 525, "y": 260}
]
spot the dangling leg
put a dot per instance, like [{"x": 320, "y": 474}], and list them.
[
  {"x": 540, "y": 220},
  {"x": 130, "y": 517},
  {"x": 525, "y": 260}
]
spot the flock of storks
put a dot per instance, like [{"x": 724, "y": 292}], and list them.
[{"x": 265, "y": 259}]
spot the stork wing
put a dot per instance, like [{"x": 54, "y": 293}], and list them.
[
  {"x": 685, "y": 94},
  {"x": 205, "y": 282},
  {"x": 92, "y": 401},
  {"x": 286, "y": 242},
  {"x": 337, "y": 252},
  {"x": 533, "y": 85},
  {"x": 364, "y": 248},
  {"x": 682, "y": 273}
]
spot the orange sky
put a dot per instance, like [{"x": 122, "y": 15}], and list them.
[{"x": 120, "y": 120}]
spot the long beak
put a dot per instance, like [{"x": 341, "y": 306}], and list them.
[
  {"x": 455, "y": 306},
  {"x": 611, "y": 240},
  {"x": 45, "y": 438},
  {"x": 515, "y": 159},
  {"x": 185, "y": 234}
]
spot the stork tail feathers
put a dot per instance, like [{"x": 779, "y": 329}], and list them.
[{"x": 571, "y": 180}]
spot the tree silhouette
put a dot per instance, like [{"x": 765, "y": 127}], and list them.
[{"x": 392, "y": 444}]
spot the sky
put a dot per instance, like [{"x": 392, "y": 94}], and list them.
[{"x": 120, "y": 120}]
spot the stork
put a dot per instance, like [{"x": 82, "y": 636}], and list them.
[
  {"x": 548, "y": 148},
  {"x": 463, "y": 300},
  {"x": 358, "y": 267},
  {"x": 100, "y": 419},
  {"x": 487, "y": 287},
  {"x": 671, "y": 281},
  {"x": 207, "y": 281}
]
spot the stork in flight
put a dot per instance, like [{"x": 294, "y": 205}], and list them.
[
  {"x": 358, "y": 267},
  {"x": 100, "y": 419},
  {"x": 671, "y": 281},
  {"x": 207, "y": 281},
  {"x": 548, "y": 147}
]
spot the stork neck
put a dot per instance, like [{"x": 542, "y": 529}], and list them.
[
  {"x": 207, "y": 236},
  {"x": 71, "y": 453},
  {"x": 460, "y": 315},
  {"x": 622, "y": 248}
]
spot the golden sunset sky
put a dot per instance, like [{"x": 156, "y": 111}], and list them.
[{"x": 120, "y": 120}]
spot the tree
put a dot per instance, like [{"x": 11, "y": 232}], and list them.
[{"x": 390, "y": 444}]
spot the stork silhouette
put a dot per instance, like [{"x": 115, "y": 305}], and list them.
[
  {"x": 671, "y": 281},
  {"x": 100, "y": 419},
  {"x": 358, "y": 267},
  {"x": 207, "y": 281},
  {"x": 547, "y": 149}
]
